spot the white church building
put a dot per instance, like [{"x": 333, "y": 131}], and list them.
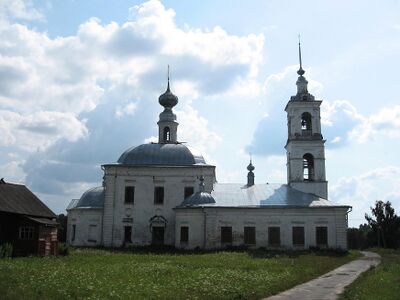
[{"x": 165, "y": 193}]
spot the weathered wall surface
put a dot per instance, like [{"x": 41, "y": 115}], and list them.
[{"x": 333, "y": 218}]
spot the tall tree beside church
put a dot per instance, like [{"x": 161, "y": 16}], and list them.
[{"x": 385, "y": 223}]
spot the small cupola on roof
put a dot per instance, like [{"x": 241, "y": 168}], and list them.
[
  {"x": 250, "y": 175},
  {"x": 199, "y": 198},
  {"x": 167, "y": 125},
  {"x": 302, "y": 91}
]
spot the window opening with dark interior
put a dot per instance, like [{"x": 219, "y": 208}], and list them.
[
  {"x": 167, "y": 134},
  {"x": 184, "y": 234},
  {"x": 189, "y": 191},
  {"x": 306, "y": 127},
  {"x": 128, "y": 234},
  {"x": 274, "y": 236},
  {"x": 249, "y": 235},
  {"x": 129, "y": 194},
  {"x": 321, "y": 233},
  {"x": 159, "y": 195},
  {"x": 308, "y": 167},
  {"x": 226, "y": 235}
]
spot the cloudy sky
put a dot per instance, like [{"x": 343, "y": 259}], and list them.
[{"x": 80, "y": 80}]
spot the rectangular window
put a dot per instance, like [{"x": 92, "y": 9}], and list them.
[
  {"x": 184, "y": 234},
  {"x": 274, "y": 236},
  {"x": 298, "y": 235},
  {"x": 189, "y": 191},
  {"x": 159, "y": 195},
  {"x": 73, "y": 232},
  {"x": 129, "y": 194},
  {"x": 226, "y": 235},
  {"x": 250, "y": 235},
  {"x": 26, "y": 232},
  {"x": 322, "y": 236},
  {"x": 127, "y": 234},
  {"x": 92, "y": 233}
]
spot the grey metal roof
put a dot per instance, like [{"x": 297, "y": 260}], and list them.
[
  {"x": 263, "y": 195},
  {"x": 198, "y": 199},
  {"x": 161, "y": 154},
  {"x": 93, "y": 198},
  {"x": 18, "y": 199}
]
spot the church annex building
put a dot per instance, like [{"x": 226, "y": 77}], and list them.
[{"x": 165, "y": 193}]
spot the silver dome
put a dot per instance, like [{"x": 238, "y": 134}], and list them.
[
  {"x": 92, "y": 198},
  {"x": 198, "y": 199},
  {"x": 161, "y": 154}
]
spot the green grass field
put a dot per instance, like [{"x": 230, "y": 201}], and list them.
[
  {"x": 382, "y": 282},
  {"x": 100, "y": 274}
]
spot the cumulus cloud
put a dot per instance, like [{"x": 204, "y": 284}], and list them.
[
  {"x": 342, "y": 122},
  {"x": 19, "y": 9},
  {"x": 68, "y": 104},
  {"x": 363, "y": 190}
]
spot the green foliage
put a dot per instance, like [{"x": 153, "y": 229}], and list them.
[
  {"x": 381, "y": 282},
  {"x": 6, "y": 250},
  {"x": 63, "y": 249},
  {"x": 385, "y": 224},
  {"x": 101, "y": 274}
]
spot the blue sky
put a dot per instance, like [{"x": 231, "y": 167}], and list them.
[{"x": 79, "y": 83}]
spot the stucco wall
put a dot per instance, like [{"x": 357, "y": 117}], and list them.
[
  {"x": 261, "y": 218},
  {"x": 119, "y": 214},
  {"x": 85, "y": 220}
]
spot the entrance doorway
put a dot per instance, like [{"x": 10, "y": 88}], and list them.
[{"x": 157, "y": 235}]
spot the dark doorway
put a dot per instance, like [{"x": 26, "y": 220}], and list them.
[
  {"x": 128, "y": 234},
  {"x": 157, "y": 235}
]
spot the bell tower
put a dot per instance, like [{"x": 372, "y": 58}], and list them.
[
  {"x": 305, "y": 148},
  {"x": 167, "y": 124}
]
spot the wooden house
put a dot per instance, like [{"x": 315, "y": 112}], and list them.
[{"x": 26, "y": 222}]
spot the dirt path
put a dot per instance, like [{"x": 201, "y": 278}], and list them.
[{"x": 331, "y": 285}]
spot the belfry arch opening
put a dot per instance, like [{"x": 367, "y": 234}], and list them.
[
  {"x": 308, "y": 167},
  {"x": 167, "y": 134},
  {"x": 306, "y": 124}
]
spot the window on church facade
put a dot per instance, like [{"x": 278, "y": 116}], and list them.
[
  {"x": 189, "y": 191},
  {"x": 306, "y": 126},
  {"x": 73, "y": 232},
  {"x": 308, "y": 167},
  {"x": 129, "y": 194},
  {"x": 92, "y": 233},
  {"x": 274, "y": 236},
  {"x": 226, "y": 235},
  {"x": 184, "y": 234},
  {"x": 167, "y": 134},
  {"x": 298, "y": 235},
  {"x": 159, "y": 195},
  {"x": 321, "y": 233},
  {"x": 249, "y": 235}
]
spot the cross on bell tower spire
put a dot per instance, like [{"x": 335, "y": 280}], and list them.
[{"x": 300, "y": 71}]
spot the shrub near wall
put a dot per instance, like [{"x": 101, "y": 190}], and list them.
[{"x": 6, "y": 250}]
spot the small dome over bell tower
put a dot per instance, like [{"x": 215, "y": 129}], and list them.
[{"x": 167, "y": 125}]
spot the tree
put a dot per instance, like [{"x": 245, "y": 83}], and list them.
[{"x": 385, "y": 224}]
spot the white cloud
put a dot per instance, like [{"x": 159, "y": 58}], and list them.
[
  {"x": 363, "y": 190},
  {"x": 19, "y": 9},
  {"x": 39, "y": 130},
  {"x": 126, "y": 110}
]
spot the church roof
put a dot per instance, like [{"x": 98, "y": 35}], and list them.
[
  {"x": 92, "y": 198},
  {"x": 175, "y": 154},
  {"x": 263, "y": 195}
]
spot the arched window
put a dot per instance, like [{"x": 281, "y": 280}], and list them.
[
  {"x": 167, "y": 134},
  {"x": 306, "y": 122},
  {"x": 308, "y": 167}
]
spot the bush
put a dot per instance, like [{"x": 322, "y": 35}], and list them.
[
  {"x": 6, "y": 250},
  {"x": 63, "y": 249}
]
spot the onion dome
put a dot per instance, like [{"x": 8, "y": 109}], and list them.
[
  {"x": 92, "y": 198},
  {"x": 168, "y": 100},
  {"x": 250, "y": 167}
]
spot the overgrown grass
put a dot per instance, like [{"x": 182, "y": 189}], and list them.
[
  {"x": 101, "y": 274},
  {"x": 381, "y": 282}
]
